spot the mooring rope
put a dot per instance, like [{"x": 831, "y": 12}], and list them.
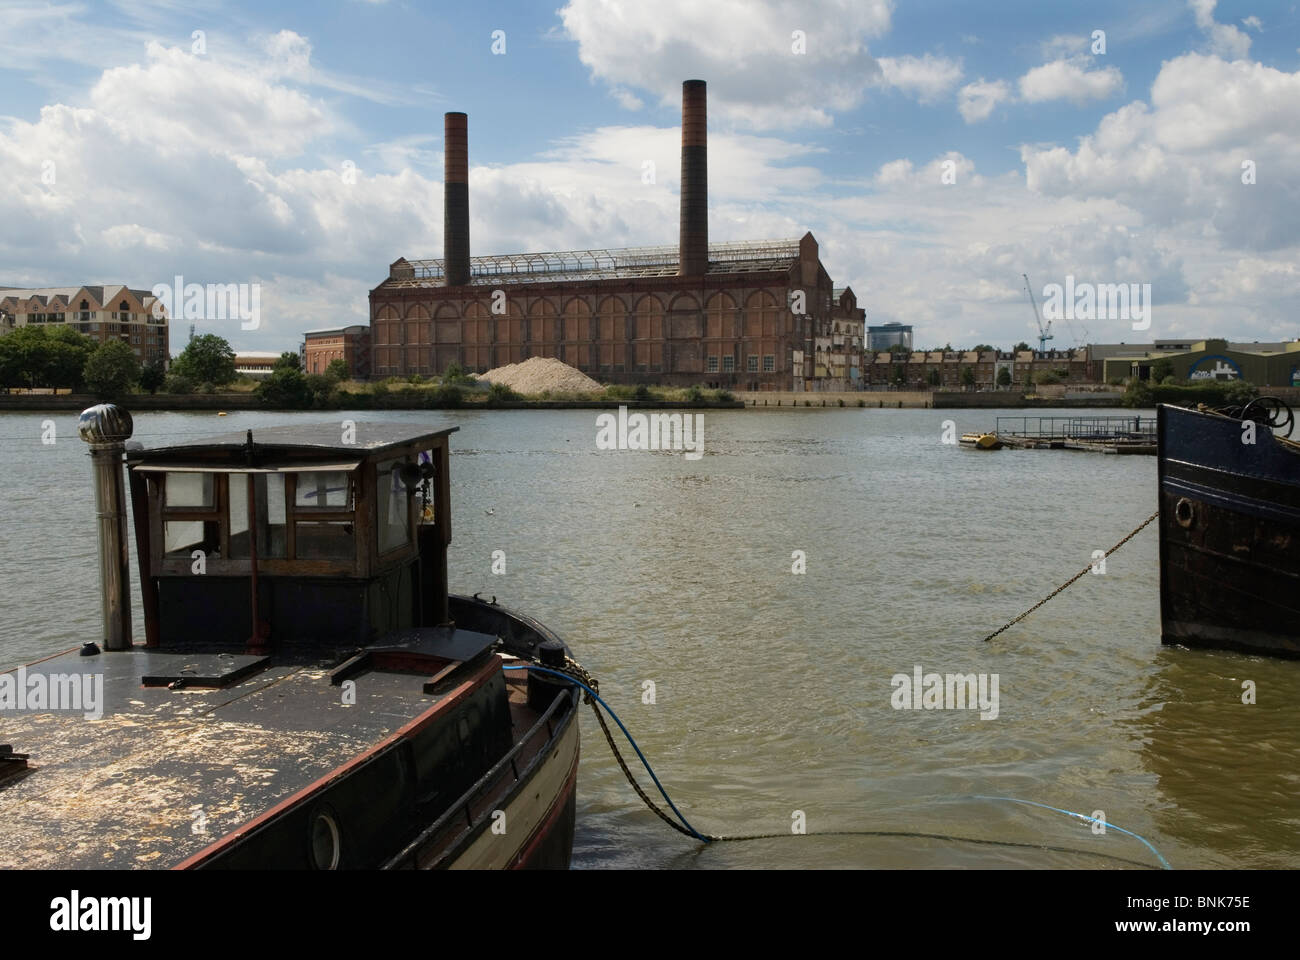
[
  {"x": 573, "y": 671},
  {"x": 1131, "y": 535}
]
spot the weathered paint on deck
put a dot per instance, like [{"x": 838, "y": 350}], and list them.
[{"x": 163, "y": 773}]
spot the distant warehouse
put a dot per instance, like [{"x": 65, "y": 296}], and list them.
[
  {"x": 350, "y": 344},
  {"x": 759, "y": 315},
  {"x": 1262, "y": 364}
]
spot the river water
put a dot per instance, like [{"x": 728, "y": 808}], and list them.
[{"x": 771, "y": 700}]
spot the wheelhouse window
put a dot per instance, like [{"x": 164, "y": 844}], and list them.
[
  {"x": 272, "y": 523},
  {"x": 291, "y": 513},
  {"x": 190, "y": 490},
  {"x": 394, "y": 503}
]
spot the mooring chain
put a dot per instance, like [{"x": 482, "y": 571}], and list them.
[
  {"x": 1074, "y": 578},
  {"x": 576, "y": 670}
]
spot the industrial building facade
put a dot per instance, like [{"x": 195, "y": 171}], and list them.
[{"x": 761, "y": 315}]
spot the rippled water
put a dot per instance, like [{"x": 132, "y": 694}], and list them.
[{"x": 772, "y": 690}]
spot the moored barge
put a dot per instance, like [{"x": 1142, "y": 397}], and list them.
[
  {"x": 1230, "y": 529},
  {"x": 308, "y": 693}
]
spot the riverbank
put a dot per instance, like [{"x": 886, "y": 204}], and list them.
[
  {"x": 922, "y": 399},
  {"x": 422, "y": 400},
  {"x": 247, "y": 401}
]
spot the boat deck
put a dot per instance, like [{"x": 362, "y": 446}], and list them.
[{"x": 163, "y": 772}]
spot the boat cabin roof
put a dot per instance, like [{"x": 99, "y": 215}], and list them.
[{"x": 308, "y": 441}]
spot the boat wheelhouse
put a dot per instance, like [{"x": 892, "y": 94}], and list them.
[{"x": 308, "y": 693}]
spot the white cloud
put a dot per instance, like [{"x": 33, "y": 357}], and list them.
[
  {"x": 149, "y": 186},
  {"x": 1225, "y": 39},
  {"x": 976, "y": 101},
  {"x": 744, "y": 48},
  {"x": 1253, "y": 22},
  {"x": 627, "y": 99},
  {"x": 927, "y": 78},
  {"x": 209, "y": 102},
  {"x": 1178, "y": 160},
  {"x": 1064, "y": 45},
  {"x": 1070, "y": 80}
]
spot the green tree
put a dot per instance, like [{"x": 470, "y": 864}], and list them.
[
  {"x": 152, "y": 376},
  {"x": 967, "y": 377},
  {"x": 69, "y": 352},
  {"x": 1138, "y": 393},
  {"x": 982, "y": 347},
  {"x": 338, "y": 370},
  {"x": 285, "y": 387},
  {"x": 289, "y": 360},
  {"x": 112, "y": 370},
  {"x": 1020, "y": 346},
  {"x": 178, "y": 383},
  {"x": 933, "y": 377},
  {"x": 1161, "y": 370},
  {"x": 456, "y": 374},
  {"x": 33, "y": 356},
  {"x": 1004, "y": 377},
  {"x": 206, "y": 359}
]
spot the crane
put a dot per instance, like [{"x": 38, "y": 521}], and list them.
[{"x": 1044, "y": 332}]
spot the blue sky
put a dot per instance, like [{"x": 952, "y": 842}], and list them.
[{"x": 229, "y": 161}]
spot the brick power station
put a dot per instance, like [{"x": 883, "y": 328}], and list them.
[{"x": 721, "y": 315}]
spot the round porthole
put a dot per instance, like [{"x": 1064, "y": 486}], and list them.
[
  {"x": 326, "y": 845},
  {"x": 1184, "y": 513}
]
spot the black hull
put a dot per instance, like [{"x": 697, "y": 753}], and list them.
[
  {"x": 387, "y": 815},
  {"x": 1229, "y": 536}
]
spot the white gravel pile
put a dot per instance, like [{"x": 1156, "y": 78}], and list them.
[{"x": 539, "y": 374}]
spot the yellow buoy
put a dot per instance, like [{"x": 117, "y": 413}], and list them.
[{"x": 221, "y": 413}]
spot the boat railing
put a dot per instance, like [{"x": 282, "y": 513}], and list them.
[{"x": 463, "y": 807}]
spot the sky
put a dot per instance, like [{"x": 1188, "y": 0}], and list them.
[{"x": 937, "y": 151}]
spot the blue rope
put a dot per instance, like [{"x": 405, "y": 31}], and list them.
[
  {"x": 1163, "y": 861},
  {"x": 646, "y": 763}
]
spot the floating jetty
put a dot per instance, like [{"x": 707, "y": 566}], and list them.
[{"x": 1131, "y": 435}]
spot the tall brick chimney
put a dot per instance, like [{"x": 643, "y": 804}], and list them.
[
  {"x": 455, "y": 204},
  {"x": 693, "y": 246}
]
